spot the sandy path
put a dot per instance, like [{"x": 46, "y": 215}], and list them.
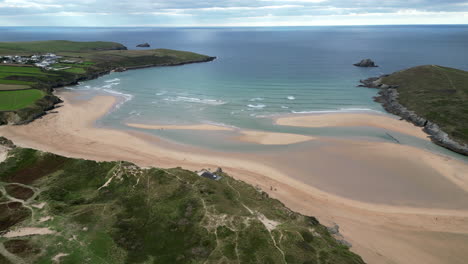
[
  {"x": 352, "y": 119},
  {"x": 379, "y": 233}
]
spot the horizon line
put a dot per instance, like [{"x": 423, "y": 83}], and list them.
[{"x": 234, "y": 26}]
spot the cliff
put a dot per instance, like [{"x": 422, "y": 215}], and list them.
[{"x": 430, "y": 96}]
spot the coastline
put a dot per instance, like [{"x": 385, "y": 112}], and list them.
[
  {"x": 379, "y": 233},
  {"x": 388, "y": 98},
  {"x": 49, "y": 101}
]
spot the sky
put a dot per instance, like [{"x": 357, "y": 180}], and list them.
[{"x": 211, "y": 13}]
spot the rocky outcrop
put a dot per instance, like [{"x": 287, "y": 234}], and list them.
[
  {"x": 144, "y": 45},
  {"x": 365, "y": 63},
  {"x": 388, "y": 97}
]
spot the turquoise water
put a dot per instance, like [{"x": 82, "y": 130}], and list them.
[{"x": 261, "y": 72}]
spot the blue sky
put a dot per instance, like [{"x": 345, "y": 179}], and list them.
[{"x": 230, "y": 13}]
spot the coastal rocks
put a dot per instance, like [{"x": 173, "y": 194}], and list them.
[
  {"x": 120, "y": 69},
  {"x": 442, "y": 139},
  {"x": 6, "y": 143},
  {"x": 144, "y": 45},
  {"x": 366, "y": 63},
  {"x": 335, "y": 232},
  {"x": 29, "y": 114},
  {"x": 388, "y": 97},
  {"x": 335, "y": 229}
]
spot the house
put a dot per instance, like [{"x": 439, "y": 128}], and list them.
[{"x": 209, "y": 175}]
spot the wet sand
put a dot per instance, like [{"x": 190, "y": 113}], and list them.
[
  {"x": 180, "y": 127},
  {"x": 271, "y": 138},
  {"x": 418, "y": 228},
  {"x": 383, "y": 121}
]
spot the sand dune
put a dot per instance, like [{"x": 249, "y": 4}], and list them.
[{"x": 380, "y": 233}]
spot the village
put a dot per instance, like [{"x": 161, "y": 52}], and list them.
[{"x": 43, "y": 61}]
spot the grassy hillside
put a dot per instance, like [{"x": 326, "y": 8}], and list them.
[
  {"x": 115, "y": 212},
  {"x": 80, "y": 61},
  {"x": 439, "y": 94},
  {"x": 55, "y": 46}
]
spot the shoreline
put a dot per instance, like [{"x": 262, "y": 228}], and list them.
[
  {"x": 388, "y": 98},
  {"x": 49, "y": 101},
  {"x": 351, "y": 119},
  {"x": 379, "y": 233}
]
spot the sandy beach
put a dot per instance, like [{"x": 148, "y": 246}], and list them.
[
  {"x": 353, "y": 119},
  {"x": 181, "y": 127},
  {"x": 381, "y": 232}
]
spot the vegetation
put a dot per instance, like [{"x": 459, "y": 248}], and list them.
[
  {"x": 438, "y": 94},
  {"x": 115, "y": 212},
  {"x": 56, "y": 46},
  {"x": 80, "y": 61},
  {"x": 14, "y": 100}
]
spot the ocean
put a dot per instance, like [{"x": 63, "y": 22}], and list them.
[{"x": 260, "y": 73}]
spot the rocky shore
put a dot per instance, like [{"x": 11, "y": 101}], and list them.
[{"x": 388, "y": 97}]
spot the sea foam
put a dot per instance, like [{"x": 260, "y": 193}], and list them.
[
  {"x": 258, "y": 106},
  {"x": 194, "y": 100}
]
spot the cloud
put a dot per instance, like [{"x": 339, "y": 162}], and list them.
[{"x": 228, "y": 12}]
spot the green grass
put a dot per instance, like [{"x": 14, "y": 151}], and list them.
[
  {"x": 439, "y": 94},
  {"x": 55, "y": 46},
  {"x": 158, "y": 216},
  {"x": 20, "y": 69},
  {"x": 14, "y": 100}
]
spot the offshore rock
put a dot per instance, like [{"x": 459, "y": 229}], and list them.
[
  {"x": 366, "y": 63},
  {"x": 144, "y": 45}
]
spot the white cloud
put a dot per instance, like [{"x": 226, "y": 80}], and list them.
[
  {"x": 229, "y": 12},
  {"x": 29, "y": 4}
]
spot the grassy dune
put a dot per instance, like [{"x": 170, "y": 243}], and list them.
[
  {"x": 115, "y": 212},
  {"x": 439, "y": 94}
]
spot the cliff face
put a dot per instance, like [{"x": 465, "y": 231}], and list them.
[{"x": 390, "y": 97}]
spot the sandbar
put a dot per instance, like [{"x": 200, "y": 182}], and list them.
[
  {"x": 181, "y": 127},
  {"x": 271, "y": 138},
  {"x": 383, "y": 121}
]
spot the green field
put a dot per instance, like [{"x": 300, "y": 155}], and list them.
[
  {"x": 115, "y": 212},
  {"x": 438, "y": 94},
  {"x": 55, "y": 46},
  {"x": 14, "y": 100}
]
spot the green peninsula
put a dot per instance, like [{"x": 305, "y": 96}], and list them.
[
  {"x": 29, "y": 71},
  {"x": 431, "y": 96},
  {"x": 77, "y": 211}
]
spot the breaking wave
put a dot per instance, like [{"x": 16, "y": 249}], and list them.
[
  {"x": 257, "y": 106},
  {"x": 194, "y": 100}
]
